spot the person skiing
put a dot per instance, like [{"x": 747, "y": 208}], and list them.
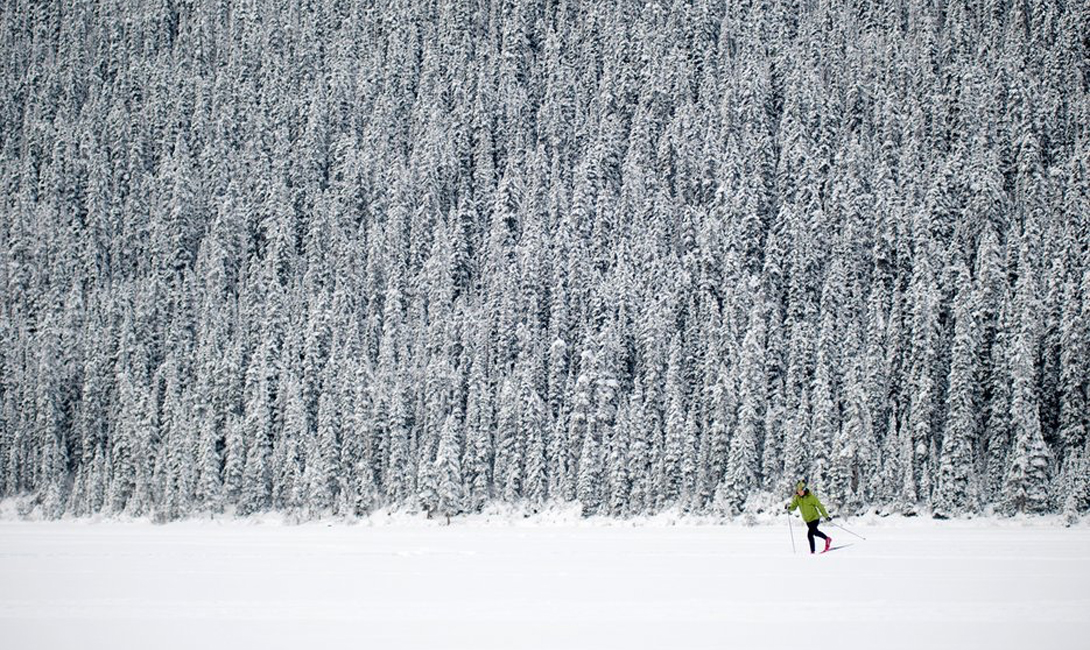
[{"x": 809, "y": 506}]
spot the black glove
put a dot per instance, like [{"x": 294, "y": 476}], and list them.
[
  {"x": 828, "y": 519},
  {"x": 787, "y": 507}
]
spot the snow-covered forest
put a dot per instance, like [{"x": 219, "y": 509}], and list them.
[{"x": 324, "y": 257}]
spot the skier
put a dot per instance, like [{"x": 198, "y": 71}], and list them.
[{"x": 809, "y": 507}]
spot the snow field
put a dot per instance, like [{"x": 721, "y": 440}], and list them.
[{"x": 912, "y": 584}]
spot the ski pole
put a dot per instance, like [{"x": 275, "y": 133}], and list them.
[
  {"x": 848, "y": 531},
  {"x": 792, "y": 530}
]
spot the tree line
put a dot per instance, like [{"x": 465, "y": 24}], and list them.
[{"x": 323, "y": 257}]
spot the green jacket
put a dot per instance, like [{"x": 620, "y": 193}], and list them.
[{"x": 808, "y": 506}]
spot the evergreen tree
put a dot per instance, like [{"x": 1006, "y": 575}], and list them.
[
  {"x": 917, "y": 478},
  {"x": 957, "y": 489},
  {"x": 854, "y": 452},
  {"x": 742, "y": 478},
  {"x": 448, "y": 467},
  {"x": 675, "y": 449},
  {"x": 591, "y": 475},
  {"x": 478, "y": 459},
  {"x": 1073, "y": 372},
  {"x": 321, "y": 457},
  {"x": 1027, "y": 476},
  {"x": 509, "y": 444}
]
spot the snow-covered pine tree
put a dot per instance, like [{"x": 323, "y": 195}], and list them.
[
  {"x": 617, "y": 464},
  {"x": 771, "y": 433},
  {"x": 1027, "y": 477},
  {"x": 674, "y": 451},
  {"x": 290, "y": 447},
  {"x": 638, "y": 472},
  {"x": 1074, "y": 340},
  {"x": 448, "y": 469},
  {"x": 957, "y": 491},
  {"x": 255, "y": 432},
  {"x": 357, "y": 491},
  {"x": 993, "y": 376},
  {"x": 922, "y": 389},
  {"x": 589, "y": 490},
  {"x": 533, "y": 420},
  {"x": 321, "y": 455},
  {"x": 581, "y": 427},
  {"x": 477, "y": 464},
  {"x": 826, "y": 411},
  {"x": 742, "y": 476},
  {"x": 509, "y": 443}
]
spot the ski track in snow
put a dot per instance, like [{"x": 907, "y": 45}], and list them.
[{"x": 238, "y": 585}]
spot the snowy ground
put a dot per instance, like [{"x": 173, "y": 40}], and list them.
[{"x": 912, "y": 584}]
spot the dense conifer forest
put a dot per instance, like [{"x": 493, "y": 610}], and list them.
[{"x": 323, "y": 257}]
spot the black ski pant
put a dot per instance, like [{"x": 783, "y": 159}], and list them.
[{"x": 811, "y": 531}]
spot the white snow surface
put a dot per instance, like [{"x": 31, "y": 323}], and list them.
[{"x": 562, "y": 583}]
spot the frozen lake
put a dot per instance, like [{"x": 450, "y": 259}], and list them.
[{"x": 912, "y": 584}]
